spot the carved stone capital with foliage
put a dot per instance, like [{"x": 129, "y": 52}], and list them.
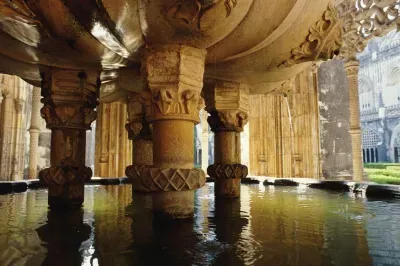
[
  {"x": 137, "y": 125},
  {"x": 69, "y": 98},
  {"x": 228, "y": 105},
  {"x": 174, "y": 76}
]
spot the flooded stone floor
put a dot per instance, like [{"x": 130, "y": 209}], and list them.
[{"x": 266, "y": 226}]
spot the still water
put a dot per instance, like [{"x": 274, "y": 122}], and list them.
[{"x": 266, "y": 226}]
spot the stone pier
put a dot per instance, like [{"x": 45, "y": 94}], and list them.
[
  {"x": 69, "y": 99},
  {"x": 228, "y": 105},
  {"x": 174, "y": 75}
]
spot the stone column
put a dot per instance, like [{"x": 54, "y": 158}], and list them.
[
  {"x": 228, "y": 105},
  {"x": 6, "y": 138},
  {"x": 174, "y": 75},
  {"x": 34, "y": 131},
  {"x": 69, "y": 99},
  {"x": 204, "y": 141},
  {"x": 140, "y": 132},
  {"x": 352, "y": 67},
  {"x": 16, "y": 174}
]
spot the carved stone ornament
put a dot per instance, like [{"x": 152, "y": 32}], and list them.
[
  {"x": 68, "y": 116},
  {"x": 148, "y": 179},
  {"x": 174, "y": 75},
  {"x": 69, "y": 98},
  {"x": 365, "y": 20},
  {"x": 323, "y": 41},
  {"x": 190, "y": 12},
  {"x": 65, "y": 173},
  {"x": 227, "y": 121},
  {"x": 227, "y": 171}
]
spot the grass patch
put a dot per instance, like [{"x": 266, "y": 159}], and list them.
[
  {"x": 381, "y": 165},
  {"x": 388, "y": 175},
  {"x": 382, "y": 179}
]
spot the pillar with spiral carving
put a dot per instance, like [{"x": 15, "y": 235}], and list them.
[
  {"x": 140, "y": 132},
  {"x": 174, "y": 76},
  {"x": 228, "y": 106},
  {"x": 69, "y": 99},
  {"x": 352, "y": 67}
]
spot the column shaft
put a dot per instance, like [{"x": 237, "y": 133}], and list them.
[{"x": 352, "y": 68}]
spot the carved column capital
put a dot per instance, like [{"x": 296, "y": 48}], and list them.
[
  {"x": 137, "y": 125},
  {"x": 351, "y": 67},
  {"x": 19, "y": 105},
  {"x": 69, "y": 98},
  {"x": 174, "y": 76},
  {"x": 228, "y": 105}
]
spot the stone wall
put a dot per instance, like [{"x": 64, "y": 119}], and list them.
[
  {"x": 284, "y": 140},
  {"x": 113, "y": 152},
  {"x": 336, "y": 152}
]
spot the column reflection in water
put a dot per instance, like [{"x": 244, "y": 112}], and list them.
[
  {"x": 63, "y": 235},
  {"x": 229, "y": 225},
  {"x": 112, "y": 225}
]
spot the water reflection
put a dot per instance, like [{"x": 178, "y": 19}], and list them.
[
  {"x": 273, "y": 226},
  {"x": 62, "y": 236}
]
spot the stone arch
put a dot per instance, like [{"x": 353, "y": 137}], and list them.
[
  {"x": 395, "y": 144},
  {"x": 394, "y": 77},
  {"x": 366, "y": 93}
]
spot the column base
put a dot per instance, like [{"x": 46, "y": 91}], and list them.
[
  {"x": 173, "y": 205},
  {"x": 172, "y": 189},
  {"x": 66, "y": 183},
  {"x": 227, "y": 179}
]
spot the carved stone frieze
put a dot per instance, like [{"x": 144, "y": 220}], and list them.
[
  {"x": 66, "y": 172},
  {"x": 174, "y": 75},
  {"x": 323, "y": 41},
  {"x": 227, "y": 171},
  {"x": 149, "y": 179}
]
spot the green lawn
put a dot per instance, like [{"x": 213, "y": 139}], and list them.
[{"x": 383, "y": 173}]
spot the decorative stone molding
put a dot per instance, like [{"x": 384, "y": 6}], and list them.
[
  {"x": 323, "y": 41},
  {"x": 174, "y": 74},
  {"x": 227, "y": 171},
  {"x": 66, "y": 172},
  {"x": 228, "y": 105},
  {"x": 149, "y": 179}
]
